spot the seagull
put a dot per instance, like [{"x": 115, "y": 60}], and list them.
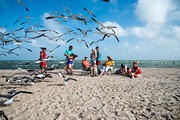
[
  {"x": 53, "y": 17},
  {"x": 57, "y": 13},
  {"x": 66, "y": 9},
  {"x": 23, "y": 5},
  {"x": 69, "y": 40},
  {"x": 11, "y": 97},
  {"x": 52, "y": 51},
  {"x": 84, "y": 42},
  {"x": 28, "y": 18},
  {"x": 96, "y": 42},
  {"x": 3, "y": 116},
  {"x": 107, "y": 34},
  {"x": 106, "y": 0},
  {"x": 42, "y": 35},
  {"x": 89, "y": 12},
  {"x": 40, "y": 61},
  {"x": 64, "y": 78},
  {"x": 103, "y": 26},
  {"x": 21, "y": 79},
  {"x": 4, "y": 55},
  {"x": 84, "y": 32}
]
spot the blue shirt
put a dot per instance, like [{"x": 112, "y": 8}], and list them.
[
  {"x": 69, "y": 53},
  {"x": 99, "y": 58}
]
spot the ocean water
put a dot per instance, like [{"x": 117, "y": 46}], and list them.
[{"x": 15, "y": 64}]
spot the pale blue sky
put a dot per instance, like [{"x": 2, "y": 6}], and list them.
[{"x": 147, "y": 29}]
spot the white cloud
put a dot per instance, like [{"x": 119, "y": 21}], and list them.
[
  {"x": 125, "y": 44},
  {"x": 119, "y": 30},
  {"x": 153, "y": 11},
  {"x": 148, "y": 31}
]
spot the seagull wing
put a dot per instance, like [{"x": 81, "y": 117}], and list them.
[
  {"x": 69, "y": 40},
  {"x": 116, "y": 37},
  {"x": 97, "y": 22},
  {"x": 23, "y": 5}
]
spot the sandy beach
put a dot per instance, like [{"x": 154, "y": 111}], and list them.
[{"x": 154, "y": 96}]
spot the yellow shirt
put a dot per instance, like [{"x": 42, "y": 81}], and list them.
[{"x": 109, "y": 63}]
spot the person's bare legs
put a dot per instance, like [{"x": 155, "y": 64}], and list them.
[
  {"x": 133, "y": 75},
  {"x": 42, "y": 67},
  {"x": 95, "y": 70},
  {"x": 45, "y": 67},
  {"x": 70, "y": 68},
  {"x": 66, "y": 68},
  {"x": 137, "y": 75}
]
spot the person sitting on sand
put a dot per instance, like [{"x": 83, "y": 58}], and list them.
[
  {"x": 135, "y": 72},
  {"x": 123, "y": 69},
  {"x": 85, "y": 64},
  {"x": 128, "y": 72},
  {"x": 107, "y": 65}
]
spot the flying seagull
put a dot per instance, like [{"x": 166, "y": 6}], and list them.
[
  {"x": 11, "y": 97},
  {"x": 89, "y": 12},
  {"x": 23, "y": 5},
  {"x": 84, "y": 32},
  {"x": 103, "y": 26}
]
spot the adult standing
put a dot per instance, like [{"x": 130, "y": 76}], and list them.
[
  {"x": 68, "y": 54},
  {"x": 43, "y": 64},
  {"x": 98, "y": 60},
  {"x": 93, "y": 62}
]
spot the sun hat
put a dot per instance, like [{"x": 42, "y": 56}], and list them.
[{"x": 109, "y": 57}]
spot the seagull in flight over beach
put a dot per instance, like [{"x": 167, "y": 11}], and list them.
[
  {"x": 11, "y": 97},
  {"x": 52, "y": 51},
  {"x": 89, "y": 12},
  {"x": 103, "y": 26},
  {"x": 19, "y": 2},
  {"x": 84, "y": 32},
  {"x": 107, "y": 34}
]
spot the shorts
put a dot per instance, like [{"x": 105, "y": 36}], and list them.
[
  {"x": 86, "y": 69},
  {"x": 42, "y": 64},
  {"x": 106, "y": 68},
  {"x": 70, "y": 62},
  {"x": 93, "y": 62},
  {"x": 98, "y": 62}
]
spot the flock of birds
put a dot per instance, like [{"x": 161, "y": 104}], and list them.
[{"x": 33, "y": 30}]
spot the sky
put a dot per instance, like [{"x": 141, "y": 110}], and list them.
[{"x": 147, "y": 29}]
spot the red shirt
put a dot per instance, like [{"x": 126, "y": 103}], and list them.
[
  {"x": 138, "y": 71},
  {"x": 44, "y": 54},
  {"x": 86, "y": 63}
]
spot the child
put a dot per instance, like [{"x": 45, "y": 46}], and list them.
[
  {"x": 135, "y": 72},
  {"x": 128, "y": 72}
]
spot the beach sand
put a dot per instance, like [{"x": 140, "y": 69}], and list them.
[{"x": 155, "y": 96}]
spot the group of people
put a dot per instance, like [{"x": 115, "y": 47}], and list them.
[
  {"x": 135, "y": 72},
  {"x": 94, "y": 65}
]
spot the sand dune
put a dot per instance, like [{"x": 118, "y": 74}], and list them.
[{"x": 155, "y": 96}]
